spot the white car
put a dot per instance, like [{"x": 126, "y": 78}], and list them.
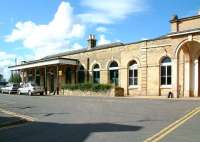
[
  {"x": 10, "y": 88},
  {"x": 30, "y": 89}
]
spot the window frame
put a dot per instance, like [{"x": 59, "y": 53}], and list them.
[
  {"x": 115, "y": 69},
  {"x": 165, "y": 65},
  {"x": 133, "y": 67},
  {"x": 96, "y": 70}
]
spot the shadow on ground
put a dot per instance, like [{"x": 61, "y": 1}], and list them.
[{"x": 55, "y": 132}]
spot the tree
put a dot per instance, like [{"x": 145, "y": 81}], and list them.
[
  {"x": 15, "y": 78},
  {"x": 1, "y": 77}
]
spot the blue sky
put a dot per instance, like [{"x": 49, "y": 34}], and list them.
[{"x": 35, "y": 28}]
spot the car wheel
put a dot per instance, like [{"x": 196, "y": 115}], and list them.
[
  {"x": 18, "y": 92},
  {"x": 29, "y": 93}
]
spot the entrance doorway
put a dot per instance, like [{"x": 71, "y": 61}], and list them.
[{"x": 52, "y": 89}]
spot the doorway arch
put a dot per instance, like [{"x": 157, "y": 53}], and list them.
[{"x": 188, "y": 68}]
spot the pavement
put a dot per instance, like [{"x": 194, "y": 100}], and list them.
[{"x": 97, "y": 119}]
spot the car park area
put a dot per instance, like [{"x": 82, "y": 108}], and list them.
[{"x": 89, "y": 119}]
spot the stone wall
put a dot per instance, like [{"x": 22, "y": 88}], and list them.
[{"x": 114, "y": 92}]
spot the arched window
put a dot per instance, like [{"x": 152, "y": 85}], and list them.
[
  {"x": 96, "y": 74},
  {"x": 113, "y": 73},
  {"x": 81, "y": 74},
  {"x": 68, "y": 75},
  {"x": 166, "y": 71},
  {"x": 133, "y": 73}
]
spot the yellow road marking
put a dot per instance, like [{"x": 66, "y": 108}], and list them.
[
  {"x": 164, "y": 132},
  {"x": 25, "y": 117}
]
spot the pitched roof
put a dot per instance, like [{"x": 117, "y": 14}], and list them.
[{"x": 85, "y": 50}]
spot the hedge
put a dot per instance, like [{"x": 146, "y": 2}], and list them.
[{"x": 87, "y": 87}]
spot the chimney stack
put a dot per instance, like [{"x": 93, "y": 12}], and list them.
[{"x": 91, "y": 41}]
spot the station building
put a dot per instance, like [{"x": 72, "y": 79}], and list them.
[{"x": 151, "y": 67}]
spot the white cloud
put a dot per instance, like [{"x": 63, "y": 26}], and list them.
[
  {"x": 51, "y": 38},
  {"x": 101, "y": 29},
  {"x": 106, "y": 12},
  {"x": 77, "y": 46},
  {"x": 6, "y": 60},
  {"x": 103, "y": 40}
]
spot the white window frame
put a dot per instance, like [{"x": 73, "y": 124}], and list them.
[
  {"x": 96, "y": 70},
  {"x": 166, "y": 76},
  {"x": 133, "y": 67}
]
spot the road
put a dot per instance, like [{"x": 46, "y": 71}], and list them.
[{"x": 97, "y": 119}]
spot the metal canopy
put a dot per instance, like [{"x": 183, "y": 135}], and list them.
[{"x": 44, "y": 62}]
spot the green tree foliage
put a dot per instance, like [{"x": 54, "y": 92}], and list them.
[
  {"x": 1, "y": 77},
  {"x": 15, "y": 78}
]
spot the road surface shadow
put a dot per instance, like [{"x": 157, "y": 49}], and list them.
[{"x": 55, "y": 132}]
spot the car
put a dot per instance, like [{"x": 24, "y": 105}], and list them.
[
  {"x": 10, "y": 88},
  {"x": 2, "y": 84},
  {"x": 30, "y": 89}
]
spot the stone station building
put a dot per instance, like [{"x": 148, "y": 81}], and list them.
[{"x": 148, "y": 68}]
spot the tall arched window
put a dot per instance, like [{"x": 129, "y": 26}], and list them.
[
  {"x": 133, "y": 73},
  {"x": 96, "y": 74},
  {"x": 68, "y": 75},
  {"x": 81, "y": 74},
  {"x": 114, "y": 73},
  {"x": 166, "y": 71}
]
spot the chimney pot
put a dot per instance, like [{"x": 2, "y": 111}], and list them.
[{"x": 91, "y": 41}]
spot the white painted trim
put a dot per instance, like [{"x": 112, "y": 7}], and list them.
[
  {"x": 133, "y": 87},
  {"x": 113, "y": 68},
  {"x": 165, "y": 86},
  {"x": 44, "y": 63}
]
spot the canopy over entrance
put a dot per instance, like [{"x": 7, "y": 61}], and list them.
[{"x": 45, "y": 62}]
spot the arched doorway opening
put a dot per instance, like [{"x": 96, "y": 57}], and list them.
[{"x": 188, "y": 69}]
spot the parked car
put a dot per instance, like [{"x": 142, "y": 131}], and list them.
[
  {"x": 2, "y": 84},
  {"x": 10, "y": 88},
  {"x": 30, "y": 89}
]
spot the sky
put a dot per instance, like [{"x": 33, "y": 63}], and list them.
[{"x": 32, "y": 29}]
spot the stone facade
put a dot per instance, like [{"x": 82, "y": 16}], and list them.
[{"x": 181, "y": 46}]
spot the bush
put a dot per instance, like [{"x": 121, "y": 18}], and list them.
[
  {"x": 15, "y": 78},
  {"x": 87, "y": 87}
]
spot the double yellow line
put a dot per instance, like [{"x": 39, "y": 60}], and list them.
[{"x": 164, "y": 132}]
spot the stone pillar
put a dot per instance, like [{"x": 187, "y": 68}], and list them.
[
  {"x": 45, "y": 80},
  {"x": 124, "y": 79},
  {"x": 143, "y": 76},
  {"x": 196, "y": 78},
  {"x": 187, "y": 78},
  {"x": 104, "y": 77},
  {"x": 175, "y": 78}
]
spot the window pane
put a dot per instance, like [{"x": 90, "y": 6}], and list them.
[
  {"x": 130, "y": 73},
  {"x": 81, "y": 76},
  {"x": 135, "y": 81},
  {"x": 169, "y": 71},
  {"x": 169, "y": 80},
  {"x": 130, "y": 81},
  {"x": 114, "y": 77},
  {"x": 163, "y": 70},
  {"x": 96, "y": 76},
  {"x": 166, "y": 60},
  {"x": 135, "y": 73},
  {"x": 163, "y": 80}
]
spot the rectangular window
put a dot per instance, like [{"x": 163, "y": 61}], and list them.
[
  {"x": 166, "y": 72},
  {"x": 133, "y": 77}
]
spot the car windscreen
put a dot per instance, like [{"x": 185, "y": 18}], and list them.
[{"x": 33, "y": 84}]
